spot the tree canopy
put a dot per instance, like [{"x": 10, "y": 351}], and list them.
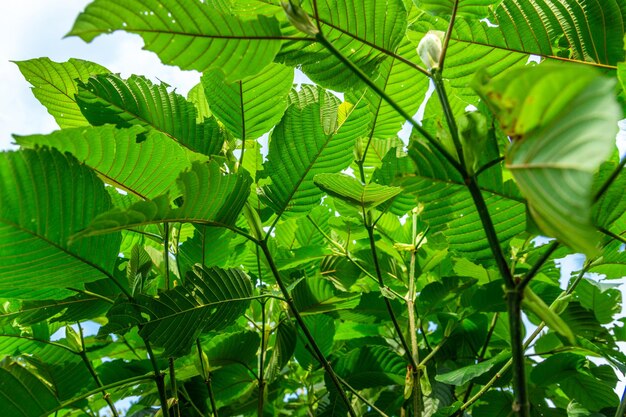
[{"x": 266, "y": 248}]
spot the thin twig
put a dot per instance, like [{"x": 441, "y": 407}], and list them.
[
  {"x": 362, "y": 398},
  {"x": 175, "y": 410},
  {"x": 621, "y": 410},
  {"x": 483, "y": 352},
  {"x": 609, "y": 181},
  {"x": 537, "y": 266},
  {"x": 446, "y": 40},
  {"x": 490, "y": 231},
  {"x": 261, "y": 370},
  {"x": 410, "y": 304},
  {"x": 92, "y": 371},
  {"x": 488, "y": 165},
  {"x": 311, "y": 340},
  {"x": 381, "y": 282},
  {"x": 159, "y": 379},
  {"x": 104, "y": 388},
  {"x": 206, "y": 374},
  {"x": 166, "y": 253},
  {"x": 390, "y": 101}
]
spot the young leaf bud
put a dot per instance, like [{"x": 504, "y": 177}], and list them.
[
  {"x": 73, "y": 339},
  {"x": 299, "y": 17},
  {"x": 429, "y": 49}
]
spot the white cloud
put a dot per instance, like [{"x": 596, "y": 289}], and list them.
[{"x": 35, "y": 28}]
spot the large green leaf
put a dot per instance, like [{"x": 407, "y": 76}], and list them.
[
  {"x": 146, "y": 168},
  {"x": 322, "y": 327},
  {"x": 55, "y": 86},
  {"x": 310, "y": 140},
  {"x": 360, "y": 29},
  {"x": 585, "y": 30},
  {"x": 46, "y": 197},
  {"x": 371, "y": 366},
  {"x": 251, "y": 106},
  {"x": 449, "y": 206},
  {"x": 230, "y": 348},
  {"x": 463, "y": 61},
  {"x": 108, "y": 98},
  {"x": 63, "y": 370},
  {"x": 317, "y": 295},
  {"x": 403, "y": 85},
  {"x": 187, "y": 33},
  {"x": 209, "y": 299},
  {"x": 23, "y": 394},
  {"x": 76, "y": 308},
  {"x": 352, "y": 191},
  {"x": 563, "y": 121},
  {"x": 209, "y": 196},
  {"x": 467, "y": 373},
  {"x": 474, "y": 8}
]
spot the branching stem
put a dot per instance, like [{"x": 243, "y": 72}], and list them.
[
  {"x": 389, "y": 101},
  {"x": 410, "y": 304},
  {"x": 311, "y": 340},
  {"x": 103, "y": 388},
  {"x": 206, "y": 374},
  {"x": 175, "y": 407},
  {"x": 158, "y": 377},
  {"x": 92, "y": 371},
  {"x": 446, "y": 40}
]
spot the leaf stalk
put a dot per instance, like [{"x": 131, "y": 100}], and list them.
[{"x": 311, "y": 340}]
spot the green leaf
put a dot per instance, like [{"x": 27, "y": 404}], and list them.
[
  {"x": 449, "y": 206},
  {"x": 494, "y": 404},
  {"x": 534, "y": 303},
  {"x": 352, "y": 191},
  {"x": 55, "y": 85},
  {"x": 605, "y": 303},
  {"x": 209, "y": 197},
  {"x": 252, "y": 106},
  {"x": 108, "y": 98},
  {"x": 574, "y": 409},
  {"x": 22, "y": 394},
  {"x": 317, "y": 295},
  {"x": 612, "y": 204},
  {"x": 590, "y": 392},
  {"x": 197, "y": 97},
  {"x": 371, "y": 366},
  {"x": 232, "y": 348},
  {"x": 586, "y": 30},
  {"x": 284, "y": 348},
  {"x": 474, "y": 8},
  {"x": 322, "y": 327},
  {"x": 563, "y": 121},
  {"x": 309, "y": 140},
  {"x": 209, "y": 299},
  {"x": 360, "y": 29},
  {"x": 400, "y": 83},
  {"x": 146, "y": 168},
  {"x": 63, "y": 370},
  {"x": 467, "y": 373},
  {"x": 187, "y": 33},
  {"x": 46, "y": 197}
]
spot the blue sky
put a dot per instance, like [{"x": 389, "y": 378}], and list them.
[{"x": 35, "y": 28}]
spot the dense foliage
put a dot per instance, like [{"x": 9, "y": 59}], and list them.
[{"x": 261, "y": 247}]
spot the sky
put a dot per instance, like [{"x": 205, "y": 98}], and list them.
[{"x": 36, "y": 28}]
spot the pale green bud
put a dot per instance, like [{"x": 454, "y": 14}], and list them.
[
  {"x": 73, "y": 339},
  {"x": 429, "y": 49},
  {"x": 299, "y": 17}
]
